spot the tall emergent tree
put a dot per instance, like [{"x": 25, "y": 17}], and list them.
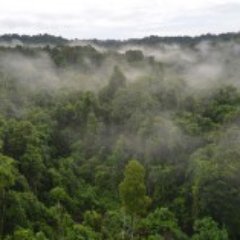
[{"x": 133, "y": 191}]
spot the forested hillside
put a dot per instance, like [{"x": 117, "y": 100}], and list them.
[{"x": 128, "y": 141}]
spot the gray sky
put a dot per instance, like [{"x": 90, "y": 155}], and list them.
[{"x": 119, "y": 18}]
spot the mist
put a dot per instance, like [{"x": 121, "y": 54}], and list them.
[{"x": 75, "y": 115}]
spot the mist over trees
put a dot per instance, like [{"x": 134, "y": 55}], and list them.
[{"x": 135, "y": 139}]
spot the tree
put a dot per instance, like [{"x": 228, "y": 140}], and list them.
[
  {"x": 93, "y": 220},
  {"x": 133, "y": 191},
  {"x": 134, "y": 55},
  {"x": 117, "y": 79},
  {"x": 7, "y": 179},
  {"x": 162, "y": 222},
  {"x": 26, "y": 234},
  {"x": 214, "y": 175},
  {"x": 116, "y": 82},
  {"x": 7, "y": 172},
  {"x": 208, "y": 229}
]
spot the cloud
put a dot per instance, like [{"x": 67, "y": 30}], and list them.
[
  {"x": 119, "y": 19},
  {"x": 214, "y": 19}
]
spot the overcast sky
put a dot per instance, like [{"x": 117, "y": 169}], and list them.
[{"x": 119, "y": 18}]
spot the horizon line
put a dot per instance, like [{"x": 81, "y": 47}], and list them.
[{"x": 125, "y": 39}]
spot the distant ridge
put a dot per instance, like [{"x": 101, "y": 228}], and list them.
[
  {"x": 149, "y": 40},
  {"x": 35, "y": 39},
  {"x": 153, "y": 39}
]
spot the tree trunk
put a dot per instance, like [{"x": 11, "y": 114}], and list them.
[
  {"x": 132, "y": 226},
  {"x": 124, "y": 225},
  {"x": 2, "y": 214}
]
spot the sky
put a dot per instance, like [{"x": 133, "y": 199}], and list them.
[{"x": 119, "y": 19}]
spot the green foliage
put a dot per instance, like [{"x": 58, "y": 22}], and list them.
[
  {"x": 7, "y": 172},
  {"x": 93, "y": 219},
  {"x": 161, "y": 222},
  {"x": 71, "y": 122},
  {"x": 58, "y": 194},
  {"x": 26, "y": 234},
  {"x": 213, "y": 170},
  {"x": 117, "y": 81},
  {"x": 112, "y": 224},
  {"x": 133, "y": 190},
  {"x": 207, "y": 228},
  {"x": 134, "y": 55},
  {"x": 80, "y": 232}
]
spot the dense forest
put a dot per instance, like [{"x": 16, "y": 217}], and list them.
[{"x": 108, "y": 140}]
